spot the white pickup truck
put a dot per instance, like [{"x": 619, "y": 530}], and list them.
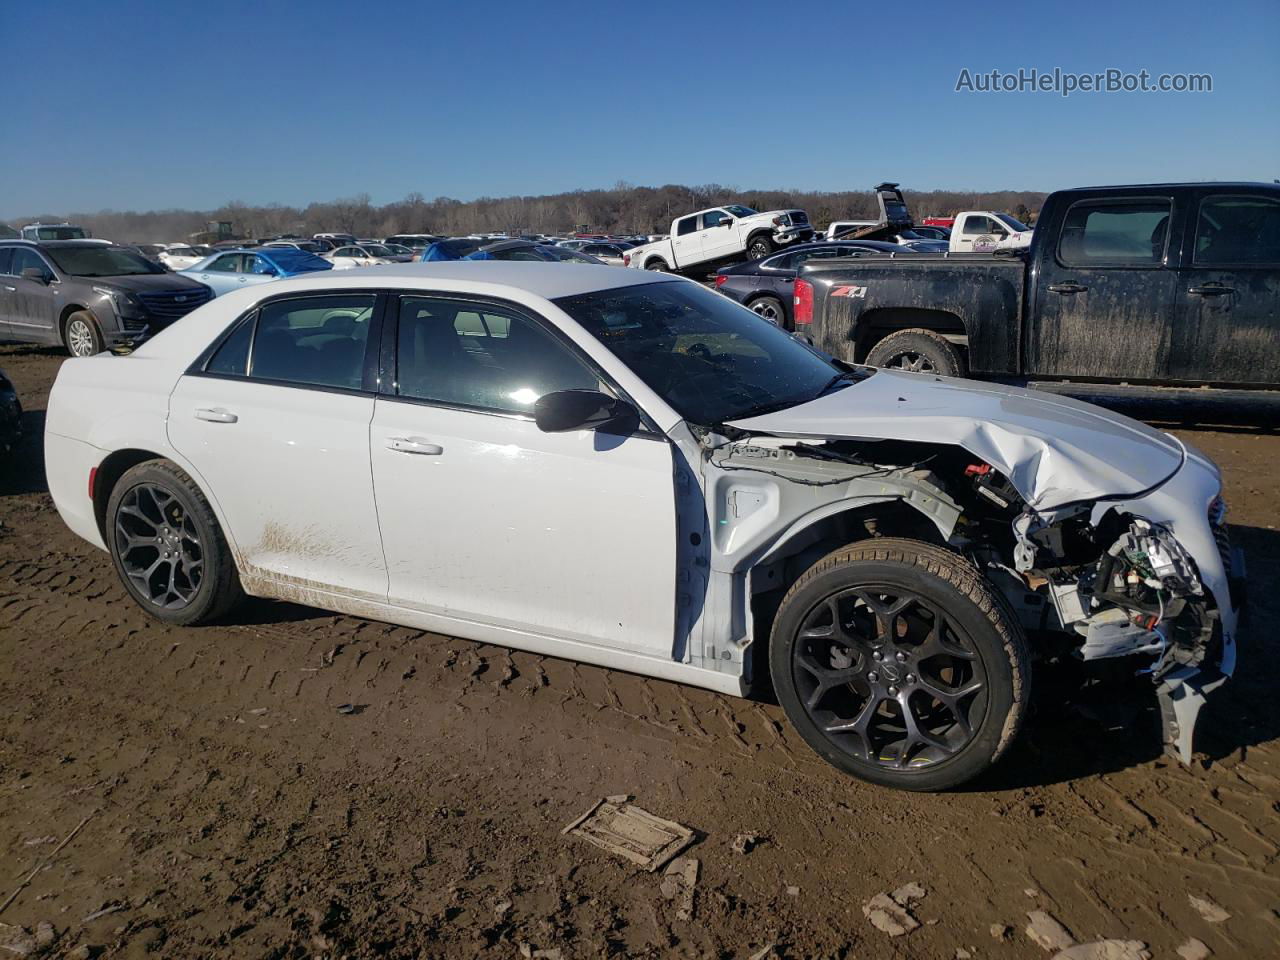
[
  {"x": 731, "y": 232},
  {"x": 982, "y": 231}
]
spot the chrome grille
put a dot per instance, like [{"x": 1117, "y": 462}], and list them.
[{"x": 171, "y": 305}]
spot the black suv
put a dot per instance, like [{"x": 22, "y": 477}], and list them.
[{"x": 88, "y": 295}]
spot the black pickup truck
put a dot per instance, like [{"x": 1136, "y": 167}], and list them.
[{"x": 1159, "y": 284}]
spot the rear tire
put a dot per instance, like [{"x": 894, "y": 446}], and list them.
[
  {"x": 167, "y": 546},
  {"x": 759, "y": 247},
  {"x": 889, "y": 628},
  {"x": 81, "y": 336},
  {"x": 771, "y": 309},
  {"x": 918, "y": 351}
]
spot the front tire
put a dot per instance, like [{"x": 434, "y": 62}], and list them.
[
  {"x": 657, "y": 266},
  {"x": 81, "y": 336},
  {"x": 917, "y": 351},
  {"x": 759, "y": 248},
  {"x": 897, "y": 663},
  {"x": 167, "y": 546}
]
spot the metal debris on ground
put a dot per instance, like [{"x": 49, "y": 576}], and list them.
[
  {"x": 346, "y": 708},
  {"x": 630, "y": 832},
  {"x": 680, "y": 880},
  {"x": 1194, "y": 949},
  {"x": 1048, "y": 932},
  {"x": 1106, "y": 950},
  {"x": 744, "y": 842},
  {"x": 889, "y": 916},
  {"x": 1210, "y": 911}
]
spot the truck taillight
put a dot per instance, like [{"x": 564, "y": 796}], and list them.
[
  {"x": 720, "y": 281},
  {"x": 626, "y": 259},
  {"x": 803, "y": 302}
]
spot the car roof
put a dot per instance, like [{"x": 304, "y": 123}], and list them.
[
  {"x": 58, "y": 244},
  {"x": 547, "y": 280},
  {"x": 1212, "y": 184}
]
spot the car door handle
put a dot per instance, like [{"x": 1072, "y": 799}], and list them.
[
  {"x": 244, "y": 279},
  {"x": 1210, "y": 290},
  {"x": 215, "y": 415},
  {"x": 414, "y": 445},
  {"x": 1067, "y": 288}
]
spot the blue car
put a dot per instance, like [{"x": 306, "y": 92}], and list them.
[
  {"x": 236, "y": 269},
  {"x": 467, "y": 248}
]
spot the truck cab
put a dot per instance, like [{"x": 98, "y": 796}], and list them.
[{"x": 984, "y": 231}]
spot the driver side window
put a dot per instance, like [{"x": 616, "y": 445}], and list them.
[
  {"x": 227, "y": 263},
  {"x": 460, "y": 353}
]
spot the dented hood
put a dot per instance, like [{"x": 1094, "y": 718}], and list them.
[{"x": 1054, "y": 450}]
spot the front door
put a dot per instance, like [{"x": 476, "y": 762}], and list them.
[
  {"x": 1105, "y": 293},
  {"x": 1228, "y": 312},
  {"x": 719, "y": 238},
  {"x": 224, "y": 273},
  {"x": 276, "y": 424},
  {"x": 487, "y": 519}
]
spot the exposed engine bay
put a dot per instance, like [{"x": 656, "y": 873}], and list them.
[{"x": 1095, "y": 579}]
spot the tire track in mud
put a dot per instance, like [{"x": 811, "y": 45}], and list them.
[
  {"x": 335, "y": 651},
  {"x": 1212, "y": 828}
]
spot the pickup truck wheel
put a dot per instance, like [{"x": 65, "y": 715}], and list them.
[
  {"x": 81, "y": 335},
  {"x": 759, "y": 247},
  {"x": 167, "y": 546},
  {"x": 897, "y": 663},
  {"x": 771, "y": 309},
  {"x": 657, "y": 266},
  {"x": 917, "y": 351}
]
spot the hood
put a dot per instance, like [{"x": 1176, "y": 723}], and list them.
[
  {"x": 1054, "y": 450},
  {"x": 147, "y": 282}
]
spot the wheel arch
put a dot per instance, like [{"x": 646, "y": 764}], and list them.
[
  {"x": 808, "y": 539},
  {"x": 116, "y": 463},
  {"x": 655, "y": 258},
  {"x": 876, "y": 324},
  {"x": 65, "y": 315}
]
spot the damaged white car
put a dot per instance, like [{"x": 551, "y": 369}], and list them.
[{"x": 631, "y": 470}]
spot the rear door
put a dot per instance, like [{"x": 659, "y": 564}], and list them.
[
  {"x": 1228, "y": 311},
  {"x": 7, "y": 290},
  {"x": 222, "y": 274},
  {"x": 1104, "y": 297},
  {"x": 686, "y": 244},
  {"x": 32, "y": 311},
  {"x": 276, "y": 425}
]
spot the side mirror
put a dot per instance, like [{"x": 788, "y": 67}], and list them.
[
  {"x": 269, "y": 272},
  {"x": 567, "y": 410},
  {"x": 36, "y": 274},
  {"x": 727, "y": 223}
]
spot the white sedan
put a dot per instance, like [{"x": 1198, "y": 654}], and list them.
[
  {"x": 179, "y": 256},
  {"x": 368, "y": 255},
  {"x": 629, "y": 469}
]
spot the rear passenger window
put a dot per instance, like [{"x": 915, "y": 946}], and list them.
[
  {"x": 687, "y": 225},
  {"x": 232, "y": 358},
  {"x": 1240, "y": 230},
  {"x": 463, "y": 354},
  {"x": 6, "y": 255},
  {"x": 317, "y": 341},
  {"x": 1119, "y": 233}
]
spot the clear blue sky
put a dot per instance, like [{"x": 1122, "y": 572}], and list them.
[{"x": 146, "y": 105}]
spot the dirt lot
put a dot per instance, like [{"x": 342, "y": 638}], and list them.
[{"x": 230, "y": 810}]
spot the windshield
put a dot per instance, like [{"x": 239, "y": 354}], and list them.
[
  {"x": 398, "y": 249},
  {"x": 711, "y": 359},
  {"x": 739, "y": 211},
  {"x": 376, "y": 250},
  {"x": 101, "y": 261},
  {"x": 181, "y": 252},
  {"x": 1012, "y": 223}
]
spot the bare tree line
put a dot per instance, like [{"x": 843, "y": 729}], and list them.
[{"x": 624, "y": 208}]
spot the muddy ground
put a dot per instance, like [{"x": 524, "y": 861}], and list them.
[{"x": 230, "y": 810}]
